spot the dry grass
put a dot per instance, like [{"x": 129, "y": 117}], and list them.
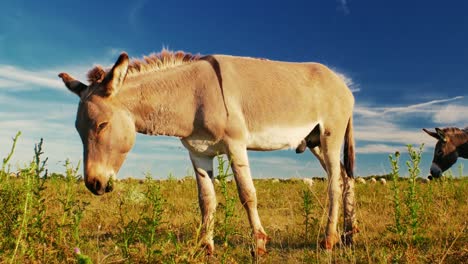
[{"x": 443, "y": 225}]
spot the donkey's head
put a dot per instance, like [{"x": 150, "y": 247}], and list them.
[
  {"x": 106, "y": 129},
  {"x": 445, "y": 152}
]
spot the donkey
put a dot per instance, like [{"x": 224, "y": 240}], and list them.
[
  {"x": 220, "y": 104},
  {"x": 451, "y": 143}
]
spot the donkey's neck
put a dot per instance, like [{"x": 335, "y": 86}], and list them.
[
  {"x": 461, "y": 141},
  {"x": 162, "y": 102},
  {"x": 463, "y": 150}
]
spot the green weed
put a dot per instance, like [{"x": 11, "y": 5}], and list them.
[
  {"x": 307, "y": 212},
  {"x": 398, "y": 227},
  {"x": 227, "y": 227}
]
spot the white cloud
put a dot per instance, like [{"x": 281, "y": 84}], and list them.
[
  {"x": 452, "y": 114},
  {"x": 379, "y": 148},
  {"x": 57, "y": 147},
  {"x": 38, "y": 119},
  {"x": 7, "y": 83},
  {"x": 388, "y": 133},
  {"x": 430, "y": 107}
]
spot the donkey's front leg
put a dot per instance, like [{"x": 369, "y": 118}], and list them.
[
  {"x": 203, "y": 166},
  {"x": 247, "y": 194}
]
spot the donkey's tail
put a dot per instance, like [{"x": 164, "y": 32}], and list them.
[{"x": 348, "y": 150}]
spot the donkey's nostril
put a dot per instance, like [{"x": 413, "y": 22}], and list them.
[
  {"x": 109, "y": 187},
  {"x": 97, "y": 185}
]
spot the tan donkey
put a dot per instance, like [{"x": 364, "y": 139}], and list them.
[{"x": 220, "y": 105}]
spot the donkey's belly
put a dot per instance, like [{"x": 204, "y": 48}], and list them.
[
  {"x": 267, "y": 139},
  {"x": 203, "y": 146},
  {"x": 277, "y": 137}
]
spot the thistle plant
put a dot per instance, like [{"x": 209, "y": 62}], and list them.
[
  {"x": 395, "y": 174},
  {"x": 30, "y": 213},
  {"x": 6, "y": 160},
  {"x": 412, "y": 202}
]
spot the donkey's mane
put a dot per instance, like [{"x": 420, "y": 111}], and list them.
[
  {"x": 456, "y": 134},
  {"x": 154, "y": 62}
]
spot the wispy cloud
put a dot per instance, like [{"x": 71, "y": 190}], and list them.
[
  {"x": 14, "y": 77},
  {"x": 135, "y": 12},
  {"x": 430, "y": 107},
  {"x": 422, "y": 107},
  {"x": 343, "y": 6},
  {"x": 8, "y": 83},
  {"x": 379, "y": 148},
  {"x": 19, "y": 77},
  {"x": 382, "y": 130}
]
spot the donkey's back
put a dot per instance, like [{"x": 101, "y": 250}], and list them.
[{"x": 283, "y": 94}]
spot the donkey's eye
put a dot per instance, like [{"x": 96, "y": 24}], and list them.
[{"x": 102, "y": 126}]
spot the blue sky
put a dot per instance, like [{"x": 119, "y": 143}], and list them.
[{"x": 406, "y": 62}]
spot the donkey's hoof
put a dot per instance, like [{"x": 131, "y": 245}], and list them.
[
  {"x": 329, "y": 242},
  {"x": 209, "y": 248},
  {"x": 258, "y": 252},
  {"x": 347, "y": 238},
  {"x": 261, "y": 240}
]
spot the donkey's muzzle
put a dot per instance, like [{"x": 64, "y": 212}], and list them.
[
  {"x": 436, "y": 172},
  {"x": 99, "y": 187}
]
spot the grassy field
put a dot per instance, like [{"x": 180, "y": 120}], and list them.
[{"x": 148, "y": 221}]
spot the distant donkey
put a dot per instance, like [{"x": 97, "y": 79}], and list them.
[
  {"x": 452, "y": 143},
  {"x": 220, "y": 104}
]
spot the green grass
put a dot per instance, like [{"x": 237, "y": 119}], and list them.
[{"x": 44, "y": 217}]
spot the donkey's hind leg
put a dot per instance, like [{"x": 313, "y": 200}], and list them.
[
  {"x": 206, "y": 198},
  {"x": 334, "y": 193},
  {"x": 347, "y": 185},
  {"x": 350, "y": 223}
]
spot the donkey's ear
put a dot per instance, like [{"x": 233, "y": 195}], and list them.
[
  {"x": 432, "y": 134},
  {"x": 73, "y": 85},
  {"x": 441, "y": 134},
  {"x": 116, "y": 76}
]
